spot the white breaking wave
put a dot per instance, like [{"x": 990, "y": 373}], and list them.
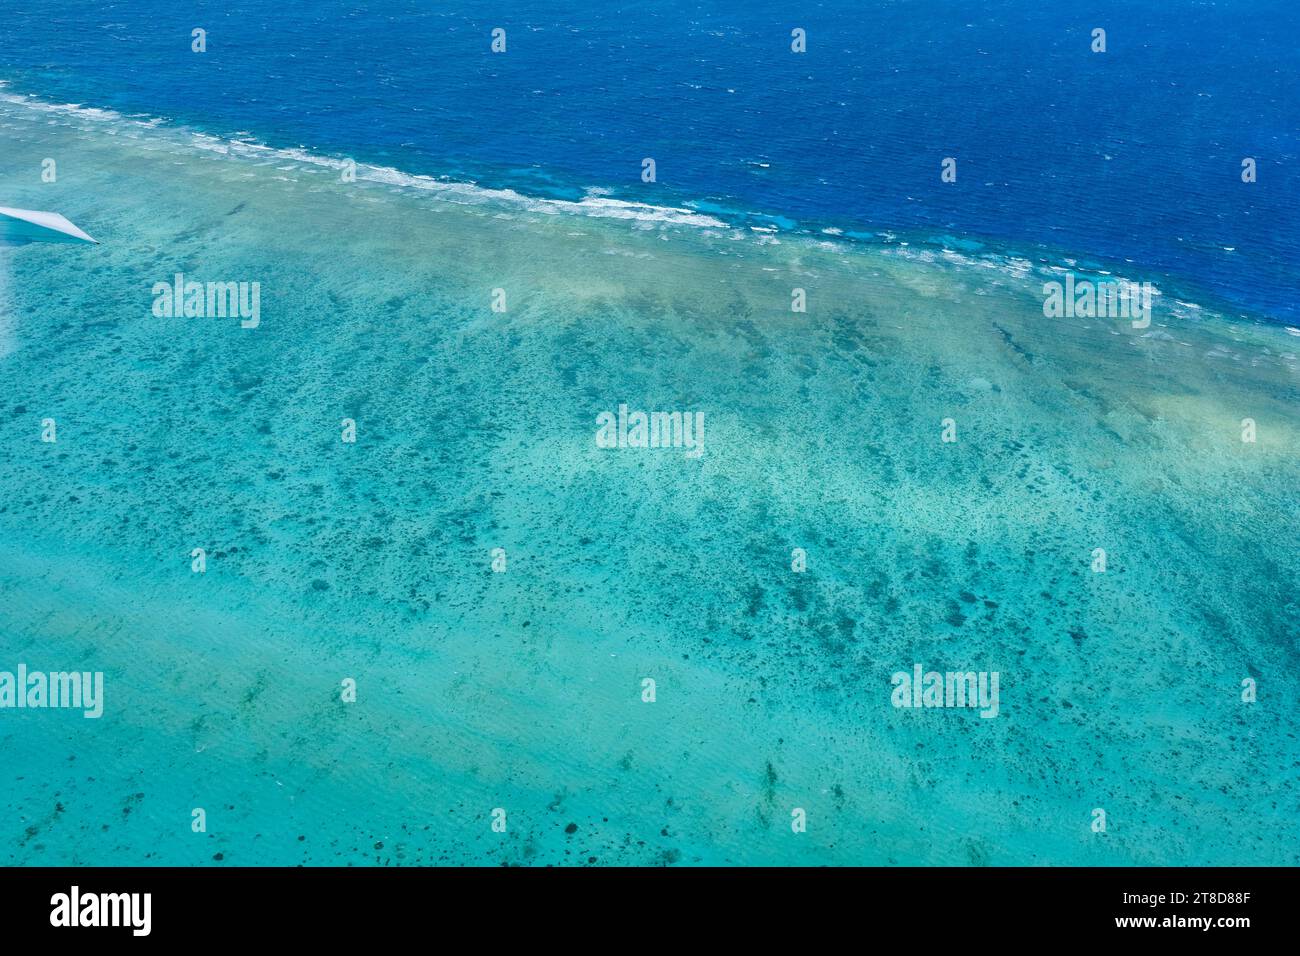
[{"x": 594, "y": 204}]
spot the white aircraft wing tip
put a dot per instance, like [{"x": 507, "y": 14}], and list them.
[{"x": 31, "y": 224}]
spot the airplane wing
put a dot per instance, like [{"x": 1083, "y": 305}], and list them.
[{"x": 26, "y": 225}]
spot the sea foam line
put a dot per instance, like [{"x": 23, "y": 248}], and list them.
[{"x": 593, "y": 205}]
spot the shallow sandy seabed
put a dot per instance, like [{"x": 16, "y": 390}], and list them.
[{"x": 476, "y": 430}]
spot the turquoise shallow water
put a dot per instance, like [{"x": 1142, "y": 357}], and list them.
[{"x": 522, "y": 690}]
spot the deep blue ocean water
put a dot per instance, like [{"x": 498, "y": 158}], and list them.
[{"x": 1131, "y": 155}]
